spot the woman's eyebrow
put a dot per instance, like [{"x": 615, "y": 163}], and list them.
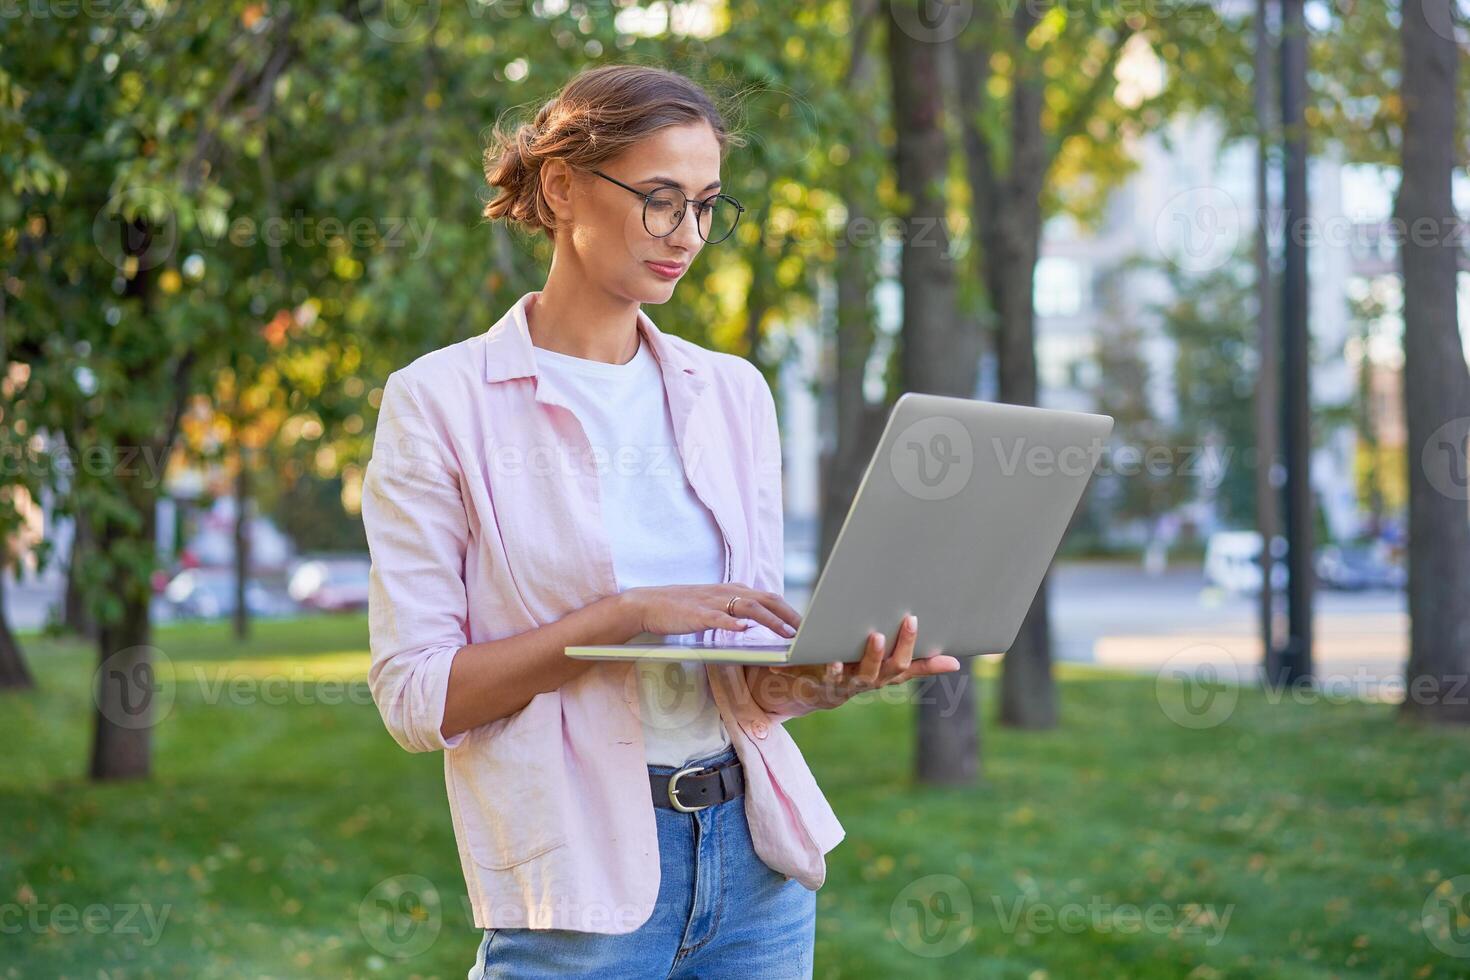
[{"x": 672, "y": 182}]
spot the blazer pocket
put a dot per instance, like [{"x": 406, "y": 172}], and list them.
[{"x": 507, "y": 798}]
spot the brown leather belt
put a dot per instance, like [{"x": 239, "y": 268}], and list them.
[{"x": 696, "y": 787}]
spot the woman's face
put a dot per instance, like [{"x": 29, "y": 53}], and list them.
[{"x": 602, "y": 223}]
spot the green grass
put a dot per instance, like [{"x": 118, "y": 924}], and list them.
[{"x": 1315, "y": 832}]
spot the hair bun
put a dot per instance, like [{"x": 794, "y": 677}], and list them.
[
  {"x": 512, "y": 165},
  {"x": 597, "y": 115}
]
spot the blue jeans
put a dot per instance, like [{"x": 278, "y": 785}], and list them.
[{"x": 721, "y": 912}]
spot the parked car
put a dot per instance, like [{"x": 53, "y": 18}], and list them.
[
  {"x": 1233, "y": 562},
  {"x": 213, "y": 543},
  {"x": 331, "y": 584},
  {"x": 209, "y": 593},
  {"x": 1354, "y": 568}
]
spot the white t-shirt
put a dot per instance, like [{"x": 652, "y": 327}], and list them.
[{"x": 661, "y": 533}]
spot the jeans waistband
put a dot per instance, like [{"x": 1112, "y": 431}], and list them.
[{"x": 719, "y": 758}]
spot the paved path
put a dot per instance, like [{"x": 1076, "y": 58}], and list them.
[{"x": 1114, "y": 614}]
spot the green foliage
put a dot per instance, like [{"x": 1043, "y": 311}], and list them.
[
  {"x": 311, "y": 178},
  {"x": 312, "y": 515},
  {"x": 1109, "y": 75},
  {"x": 1211, "y": 322},
  {"x": 1356, "y": 60},
  {"x": 1380, "y": 471},
  {"x": 1124, "y": 390}
]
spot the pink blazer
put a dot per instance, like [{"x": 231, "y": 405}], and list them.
[{"x": 481, "y": 509}]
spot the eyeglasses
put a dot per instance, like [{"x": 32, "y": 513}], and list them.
[{"x": 664, "y": 207}]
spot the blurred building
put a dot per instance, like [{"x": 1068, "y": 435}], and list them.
[{"x": 1191, "y": 201}]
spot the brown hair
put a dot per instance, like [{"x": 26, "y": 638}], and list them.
[{"x": 598, "y": 114}]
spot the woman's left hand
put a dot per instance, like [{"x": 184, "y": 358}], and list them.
[{"x": 798, "y": 688}]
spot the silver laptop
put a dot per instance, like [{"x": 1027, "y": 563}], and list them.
[{"x": 956, "y": 520}]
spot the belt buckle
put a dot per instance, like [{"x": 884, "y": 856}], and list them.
[{"x": 674, "y": 792}]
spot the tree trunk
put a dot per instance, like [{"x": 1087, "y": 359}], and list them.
[
  {"x": 1028, "y": 691},
  {"x": 74, "y": 613},
  {"x": 14, "y": 676},
  {"x": 126, "y": 687},
  {"x": 126, "y": 695},
  {"x": 938, "y": 356},
  {"x": 1291, "y": 665},
  {"x": 1268, "y": 389},
  {"x": 1436, "y": 380},
  {"x": 857, "y": 424},
  {"x": 1006, "y": 215},
  {"x": 1028, "y": 696}
]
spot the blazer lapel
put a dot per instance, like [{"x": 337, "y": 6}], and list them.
[
  {"x": 542, "y": 488},
  {"x": 555, "y": 542},
  {"x": 684, "y": 383}
]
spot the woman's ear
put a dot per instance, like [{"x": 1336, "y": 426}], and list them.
[{"x": 556, "y": 188}]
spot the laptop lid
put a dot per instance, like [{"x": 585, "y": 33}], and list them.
[{"x": 957, "y": 519}]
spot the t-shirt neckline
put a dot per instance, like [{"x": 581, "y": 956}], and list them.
[{"x": 595, "y": 368}]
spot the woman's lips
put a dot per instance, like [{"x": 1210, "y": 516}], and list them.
[{"x": 669, "y": 270}]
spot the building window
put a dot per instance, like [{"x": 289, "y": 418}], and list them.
[{"x": 1061, "y": 286}]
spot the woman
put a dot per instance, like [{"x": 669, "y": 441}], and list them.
[{"x": 574, "y": 475}]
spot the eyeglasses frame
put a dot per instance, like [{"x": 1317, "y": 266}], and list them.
[{"x": 648, "y": 198}]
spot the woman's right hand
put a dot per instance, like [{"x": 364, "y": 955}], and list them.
[{"x": 673, "y": 609}]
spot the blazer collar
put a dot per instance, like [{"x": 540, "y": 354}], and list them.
[{"x": 509, "y": 351}]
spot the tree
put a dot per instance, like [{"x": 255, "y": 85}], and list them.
[
  {"x": 858, "y": 423},
  {"x": 29, "y": 170},
  {"x": 1124, "y": 379},
  {"x": 131, "y": 293},
  {"x": 939, "y": 355},
  {"x": 1437, "y": 381},
  {"x": 225, "y": 260},
  {"x": 1210, "y": 320},
  {"x": 1046, "y": 125}
]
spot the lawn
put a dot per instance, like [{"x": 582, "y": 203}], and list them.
[{"x": 1287, "y": 840}]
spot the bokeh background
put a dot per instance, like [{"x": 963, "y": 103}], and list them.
[{"x": 1233, "y": 739}]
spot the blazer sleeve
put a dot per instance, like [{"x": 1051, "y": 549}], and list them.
[{"x": 417, "y": 532}]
